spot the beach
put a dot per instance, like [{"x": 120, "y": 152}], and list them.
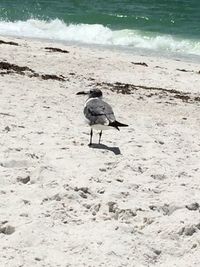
[{"x": 132, "y": 201}]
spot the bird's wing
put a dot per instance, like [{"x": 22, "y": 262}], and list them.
[{"x": 98, "y": 112}]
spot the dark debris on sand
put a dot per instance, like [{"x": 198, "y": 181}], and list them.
[
  {"x": 14, "y": 68},
  {"x": 52, "y": 77},
  {"x": 8, "y": 68},
  {"x": 184, "y": 70},
  {"x": 147, "y": 91},
  {"x": 54, "y": 49},
  {"x": 8, "y": 43},
  {"x": 140, "y": 63}
]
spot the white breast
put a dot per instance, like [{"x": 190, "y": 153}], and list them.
[{"x": 101, "y": 127}]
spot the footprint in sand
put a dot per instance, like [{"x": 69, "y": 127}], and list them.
[{"x": 7, "y": 229}]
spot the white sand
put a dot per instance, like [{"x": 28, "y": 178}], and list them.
[{"x": 96, "y": 206}]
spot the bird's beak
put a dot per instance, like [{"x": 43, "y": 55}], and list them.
[{"x": 82, "y": 93}]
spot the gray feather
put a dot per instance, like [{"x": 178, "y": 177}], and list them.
[{"x": 99, "y": 112}]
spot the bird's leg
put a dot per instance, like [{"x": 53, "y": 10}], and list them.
[
  {"x": 91, "y": 134},
  {"x": 100, "y": 134}
]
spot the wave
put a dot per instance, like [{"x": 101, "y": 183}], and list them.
[{"x": 98, "y": 34}]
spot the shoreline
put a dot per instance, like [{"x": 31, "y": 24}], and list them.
[
  {"x": 190, "y": 58},
  {"x": 132, "y": 201},
  {"x": 184, "y": 74}
]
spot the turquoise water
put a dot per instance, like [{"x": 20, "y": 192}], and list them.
[{"x": 172, "y": 25}]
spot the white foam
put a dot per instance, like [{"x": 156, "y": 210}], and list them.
[{"x": 97, "y": 34}]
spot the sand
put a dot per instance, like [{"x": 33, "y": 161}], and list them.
[{"x": 134, "y": 200}]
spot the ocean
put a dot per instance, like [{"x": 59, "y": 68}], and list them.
[{"x": 164, "y": 26}]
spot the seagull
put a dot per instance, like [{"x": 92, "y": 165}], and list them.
[{"x": 99, "y": 114}]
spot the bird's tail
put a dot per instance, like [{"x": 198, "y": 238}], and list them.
[{"x": 117, "y": 124}]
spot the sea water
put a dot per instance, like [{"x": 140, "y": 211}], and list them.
[{"x": 163, "y": 26}]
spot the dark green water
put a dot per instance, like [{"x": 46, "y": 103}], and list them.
[{"x": 168, "y": 25}]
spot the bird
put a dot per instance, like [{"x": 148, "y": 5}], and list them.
[{"x": 99, "y": 114}]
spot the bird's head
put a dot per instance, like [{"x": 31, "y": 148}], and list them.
[{"x": 92, "y": 93}]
